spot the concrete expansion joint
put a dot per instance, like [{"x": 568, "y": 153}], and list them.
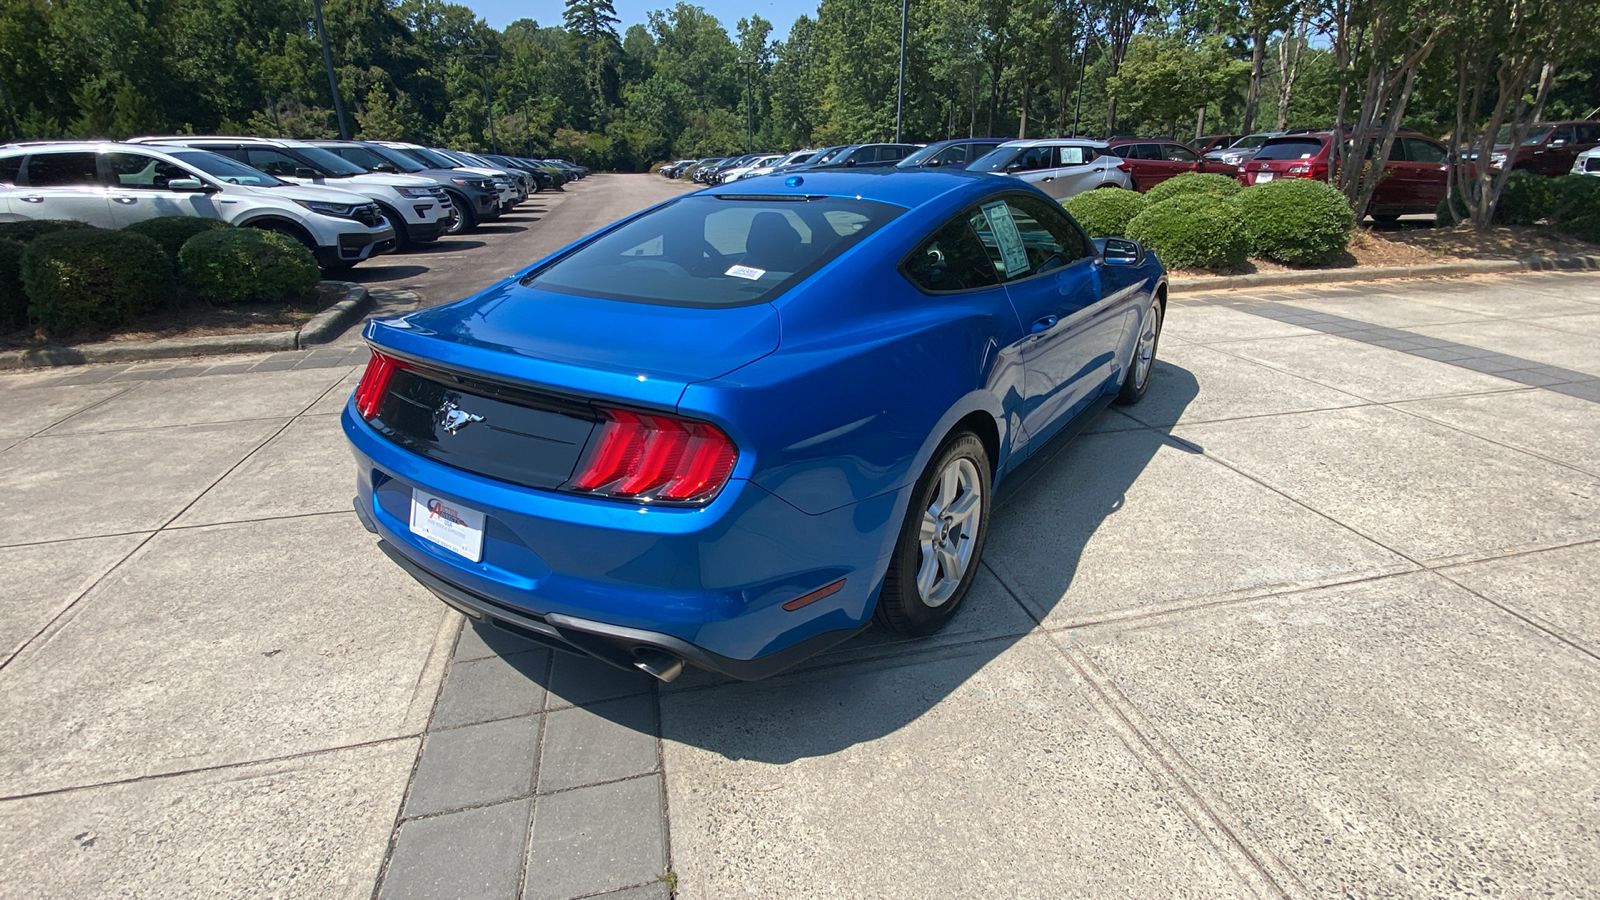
[{"x": 1266, "y": 875}]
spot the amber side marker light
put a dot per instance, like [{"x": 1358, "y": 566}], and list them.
[{"x": 814, "y": 596}]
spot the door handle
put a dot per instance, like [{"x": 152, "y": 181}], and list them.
[
  {"x": 32, "y": 199},
  {"x": 124, "y": 200},
  {"x": 1048, "y": 178},
  {"x": 1044, "y": 324}
]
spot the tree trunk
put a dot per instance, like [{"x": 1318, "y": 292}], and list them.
[
  {"x": 1200, "y": 123},
  {"x": 1252, "y": 97},
  {"x": 1290, "y": 50},
  {"x": 1027, "y": 93}
]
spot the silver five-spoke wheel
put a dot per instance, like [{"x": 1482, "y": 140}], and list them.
[{"x": 949, "y": 525}]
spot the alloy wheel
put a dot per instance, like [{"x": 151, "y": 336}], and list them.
[{"x": 949, "y": 528}]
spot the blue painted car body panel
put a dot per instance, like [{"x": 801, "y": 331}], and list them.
[{"x": 837, "y": 392}]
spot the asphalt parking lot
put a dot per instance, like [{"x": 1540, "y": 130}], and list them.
[{"x": 1318, "y": 618}]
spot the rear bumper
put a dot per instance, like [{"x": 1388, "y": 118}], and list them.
[{"x": 621, "y": 582}]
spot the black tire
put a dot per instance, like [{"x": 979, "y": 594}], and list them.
[
  {"x": 903, "y": 605},
  {"x": 466, "y": 219},
  {"x": 402, "y": 235},
  {"x": 1142, "y": 369}
]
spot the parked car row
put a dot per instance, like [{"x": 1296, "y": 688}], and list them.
[{"x": 346, "y": 201}]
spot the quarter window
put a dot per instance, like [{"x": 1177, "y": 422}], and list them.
[
  {"x": 952, "y": 259},
  {"x": 10, "y": 169},
  {"x": 59, "y": 169}
]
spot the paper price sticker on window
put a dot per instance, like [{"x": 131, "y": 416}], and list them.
[
  {"x": 745, "y": 272},
  {"x": 1013, "y": 256}
]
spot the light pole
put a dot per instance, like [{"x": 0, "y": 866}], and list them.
[
  {"x": 1083, "y": 62},
  {"x": 900, "y": 86},
  {"x": 327, "y": 61},
  {"x": 749, "y": 110},
  {"x": 488, "y": 104}
]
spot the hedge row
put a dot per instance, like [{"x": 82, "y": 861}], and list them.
[
  {"x": 1571, "y": 203},
  {"x": 69, "y": 277},
  {"x": 1208, "y": 221}
]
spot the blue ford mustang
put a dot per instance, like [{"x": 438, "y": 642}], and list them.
[{"x": 738, "y": 427}]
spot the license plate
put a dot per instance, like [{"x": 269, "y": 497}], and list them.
[
  {"x": 447, "y": 523},
  {"x": 1263, "y": 177}
]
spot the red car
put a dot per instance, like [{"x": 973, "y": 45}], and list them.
[
  {"x": 1414, "y": 180},
  {"x": 1549, "y": 148},
  {"x": 1150, "y": 162}
]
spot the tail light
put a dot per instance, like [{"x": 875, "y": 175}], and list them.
[
  {"x": 375, "y": 383},
  {"x": 655, "y": 457},
  {"x": 1125, "y": 166}
]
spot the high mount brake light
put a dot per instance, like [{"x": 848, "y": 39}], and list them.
[
  {"x": 375, "y": 383},
  {"x": 650, "y": 456}
]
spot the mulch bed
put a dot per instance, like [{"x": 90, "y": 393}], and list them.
[{"x": 194, "y": 318}]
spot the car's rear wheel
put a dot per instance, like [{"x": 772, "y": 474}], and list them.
[
  {"x": 1143, "y": 364},
  {"x": 936, "y": 557}
]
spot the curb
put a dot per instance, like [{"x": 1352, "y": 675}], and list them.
[
  {"x": 1192, "y": 284},
  {"x": 323, "y": 327}
]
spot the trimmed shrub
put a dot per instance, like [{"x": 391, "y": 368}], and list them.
[
  {"x": 1577, "y": 206},
  {"x": 1193, "y": 183},
  {"x": 172, "y": 231},
  {"x": 13, "y": 300},
  {"x": 86, "y": 279},
  {"x": 1105, "y": 212},
  {"x": 1525, "y": 199},
  {"x": 33, "y": 229},
  {"x": 230, "y": 265},
  {"x": 1192, "y": 231},
  {"x": 1295, "y": 220}
]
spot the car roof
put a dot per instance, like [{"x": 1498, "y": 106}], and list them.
[
  {"x": 87, "y": 145},
  {"x": 1056, "y": 142},
  {"x": 218, "y": 138},
  {"x": 901, "y": 187},
  {"x": 1117, "y": 142}
]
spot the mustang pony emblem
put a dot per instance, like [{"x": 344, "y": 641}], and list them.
[{"x": 454, "y": 418}]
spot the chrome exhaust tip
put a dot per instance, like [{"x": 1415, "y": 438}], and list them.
[{"x": 664, "y": 666}]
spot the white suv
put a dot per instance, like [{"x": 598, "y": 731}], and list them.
[
  {"x": 111, "y": 185},
  {"x": 417, "y": 207}
]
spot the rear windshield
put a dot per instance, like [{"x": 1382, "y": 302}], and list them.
[
  {"x": 1289, "y": 148},
  {"x": 713, "y": 251}
]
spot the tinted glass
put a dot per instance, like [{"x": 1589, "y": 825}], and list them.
[
  {"x": 431, "y": 158},
  {"x": 273, "y": 162},
  {"x": 1289, "y": 148},
  {"x": 1150, "y": 152},
  {"x": 371, "y": 160},
  {"x": 710, "y": 251},
  {"x": 404, "y": 159},
  {"x": 135, "y": 170},
  {"x": 1051, "y": 239},
  {"x": 1421, "y": 151},
  {"x": 1179, "y": 153},
  {"x": 1563, "y": 134},
  {"x": 224, "y": 169},
  {"x": 10, "y": 168},
  {"x": 47, "y": 169},
  {"x": 330, "y": 163},
  {"x": 1588, "y": 134},
  {"x": 951, "y": 260},
  {"x": 997, "y": 159}
]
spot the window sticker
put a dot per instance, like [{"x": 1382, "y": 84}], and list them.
[
  {"x": 749, "y": 272},
  {"x": 1013, "y": 255}
]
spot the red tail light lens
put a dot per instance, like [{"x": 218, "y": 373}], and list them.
[
  {"x": 375, "y": 383},
  {"x": 649, "y": 456}
]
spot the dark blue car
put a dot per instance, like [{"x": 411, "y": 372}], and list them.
[{"x": 736, "y": 428}]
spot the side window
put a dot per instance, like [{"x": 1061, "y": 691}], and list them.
[
  {"x": 53, "y": 169},
  {"x": 135, "y": 170},
  {"x": 1421, "y": 151},
  {"x": 865, "y": 154},
  {"x": 953, "y": 156},
  {"x": 1179, "y": 153},
  {"x": 1588, "y": 134},
  {"x": 273, "y": 162},
  {"x": 952, "y": 259},
  {"x": 1563, "y": 134},
  {"x": 1036, "y": 158},
  {"x": 1075, "y": 156},
  {"x": 1148, "y": 151},
  {"x": 1051, "y": 239},
  {"x": 1125, "y": 151},
  {"x": 11, "y": 169}
]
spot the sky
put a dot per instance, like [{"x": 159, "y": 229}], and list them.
[{"x": 781, "y": 13}]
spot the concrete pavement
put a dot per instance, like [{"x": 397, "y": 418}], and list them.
[{"x": 1316, "y": 618}]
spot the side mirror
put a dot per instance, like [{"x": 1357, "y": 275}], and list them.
[
  {"x": 385, "y": 168},
  {"x": 1122, "y": 252},
  {"x": 1558, "y": 143},
  {"x": 850, "y": 162},
  {"x": 188, "y": 185},
  {"x": 303, "y": 172},
  {"x": 932, "y": 164}
]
